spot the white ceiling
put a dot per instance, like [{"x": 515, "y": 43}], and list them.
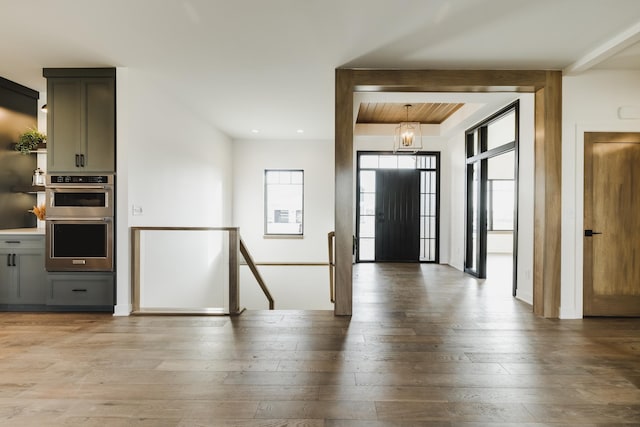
[{"x": 269, "y": 65}]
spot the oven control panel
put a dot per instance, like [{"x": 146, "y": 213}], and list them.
[{"x": 80, "y": 179}]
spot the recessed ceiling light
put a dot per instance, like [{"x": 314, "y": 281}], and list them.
[
  {"x": 300, "y": 131},
  {"x": 255, "y": 131}
]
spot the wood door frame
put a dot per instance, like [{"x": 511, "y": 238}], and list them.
[
  {"x": 547, "y": 87},
  {"x": 591, "y": 138}
]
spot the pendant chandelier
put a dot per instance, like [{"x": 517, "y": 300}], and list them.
[{"x": 408, "y": 135}]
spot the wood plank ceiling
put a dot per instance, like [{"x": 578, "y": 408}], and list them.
[{"x": 393, "y": 113}]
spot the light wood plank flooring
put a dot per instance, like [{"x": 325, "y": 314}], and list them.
[{"x": 426, "y": 346}]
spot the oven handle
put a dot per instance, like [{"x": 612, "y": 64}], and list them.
[
  {"x": 79, "y": 219},
  {"x": 80, "y": 187}
]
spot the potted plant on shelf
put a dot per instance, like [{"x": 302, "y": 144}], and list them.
[{"x": 29, "y": 141}]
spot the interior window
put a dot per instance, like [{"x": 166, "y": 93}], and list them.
[{"x": 283, "y": 202}]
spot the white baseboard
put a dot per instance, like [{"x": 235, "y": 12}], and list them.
[{"x": 122, "y": 310}]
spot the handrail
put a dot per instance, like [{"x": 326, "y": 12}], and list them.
[
  {"x": 332, "y": 286},
  {"x": 233, "y": 280},
  {"x": 292, "y": 264},
  {"x": 252, "y": 266}
]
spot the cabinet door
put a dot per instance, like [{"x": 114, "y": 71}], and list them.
[
  {"x": 6, "y": 277},
  {"x": 98, "y": 147},
  {"x": 63, "y": 124},
  {"x": 31, "y": 279}
]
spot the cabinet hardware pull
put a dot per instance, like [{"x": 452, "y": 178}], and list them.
[
  {"x": 77, "y": 160},
  {"x": 8, "y": 260},
  {"x": 79, "y": 290},
  {"x": 82, "y": 160},
  {"x": 15, "y": 242},
  {"x": 14, "y": 260}
]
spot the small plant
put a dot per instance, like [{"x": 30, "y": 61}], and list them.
[
  {"x": 40, "y": 211},
  {"x": 29, "y": 141}
]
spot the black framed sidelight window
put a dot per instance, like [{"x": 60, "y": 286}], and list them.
[{"x": 491, "y": 186}]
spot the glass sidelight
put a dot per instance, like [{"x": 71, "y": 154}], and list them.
[
  {"x": 367, "y": 217},
  {"x": 475, "y": 259}
]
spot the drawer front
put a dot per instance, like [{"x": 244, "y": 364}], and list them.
[
  {"x": 12, "y": 243},
  {"x": 82, "y": 290}
]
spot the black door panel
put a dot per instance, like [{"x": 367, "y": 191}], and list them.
[{"x": 398, "y": 215}]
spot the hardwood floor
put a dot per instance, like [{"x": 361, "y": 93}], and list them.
[{"x": 426, "y": 346}]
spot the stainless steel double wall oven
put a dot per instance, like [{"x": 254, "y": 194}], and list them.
[{"x": 80, "y": 223}]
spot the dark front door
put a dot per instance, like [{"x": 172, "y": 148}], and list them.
[{"x": 397, "y": 215}]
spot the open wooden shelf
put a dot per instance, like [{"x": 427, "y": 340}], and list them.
[
  {"x": 42, "y": 148},
  {"x": 27, "y": 188}
]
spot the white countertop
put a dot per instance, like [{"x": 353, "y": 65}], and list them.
[{"x": 23, "y": 231}]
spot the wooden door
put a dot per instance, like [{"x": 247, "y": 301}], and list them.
[
  {"x": 612, "y": 208},
  {"x": 397, "y": 215}
]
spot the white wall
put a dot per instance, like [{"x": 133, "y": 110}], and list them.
[
  {"x": 184, "y": 270},
  {"x": 590, "y": 104},
  {"x": 311, "y": 284},
  {"x": 499, "y": 242},
  {"x": 292, "y": 287},
  {"x": 525, "y": 200},
  {"x": 457, "y": 178},
  {"x": 178, "y": 168},
  {"x": 171, "y": 162},
  {"x": 526, "y": 188}
]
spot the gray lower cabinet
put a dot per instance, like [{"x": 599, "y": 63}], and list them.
[
  {"x": 22, "y": 274},
  {"x": 83, "y": 290},
  {"x": 26, "y": 285}
]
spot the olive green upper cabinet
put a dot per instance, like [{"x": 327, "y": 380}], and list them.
[{"x": 81, "y": 125}]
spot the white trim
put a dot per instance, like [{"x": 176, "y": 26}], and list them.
[
  {"x": 606, "y": 50},
  {"x": 122, "y": 310},
  {"x": 573, "y": 222},
  {"x": 123, "y": 269},
  {"x": 525, "y": 297},
  {"x": 283, "y": 236}
]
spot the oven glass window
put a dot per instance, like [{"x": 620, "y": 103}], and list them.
[
  {"x": 80, "y": 240},
  {"x": 95, "y": 199}
]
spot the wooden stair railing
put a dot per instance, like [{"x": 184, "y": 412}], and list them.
[
  {"x": 252, "y": 266},
  {"x": 332, "y": 286}
]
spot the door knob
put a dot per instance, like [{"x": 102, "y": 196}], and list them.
[{"x": 589, "y": 233}]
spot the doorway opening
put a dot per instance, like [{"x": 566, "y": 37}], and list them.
[
  {"x": 397, "y": 214},
  {"x": 492, "y": 198}
]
